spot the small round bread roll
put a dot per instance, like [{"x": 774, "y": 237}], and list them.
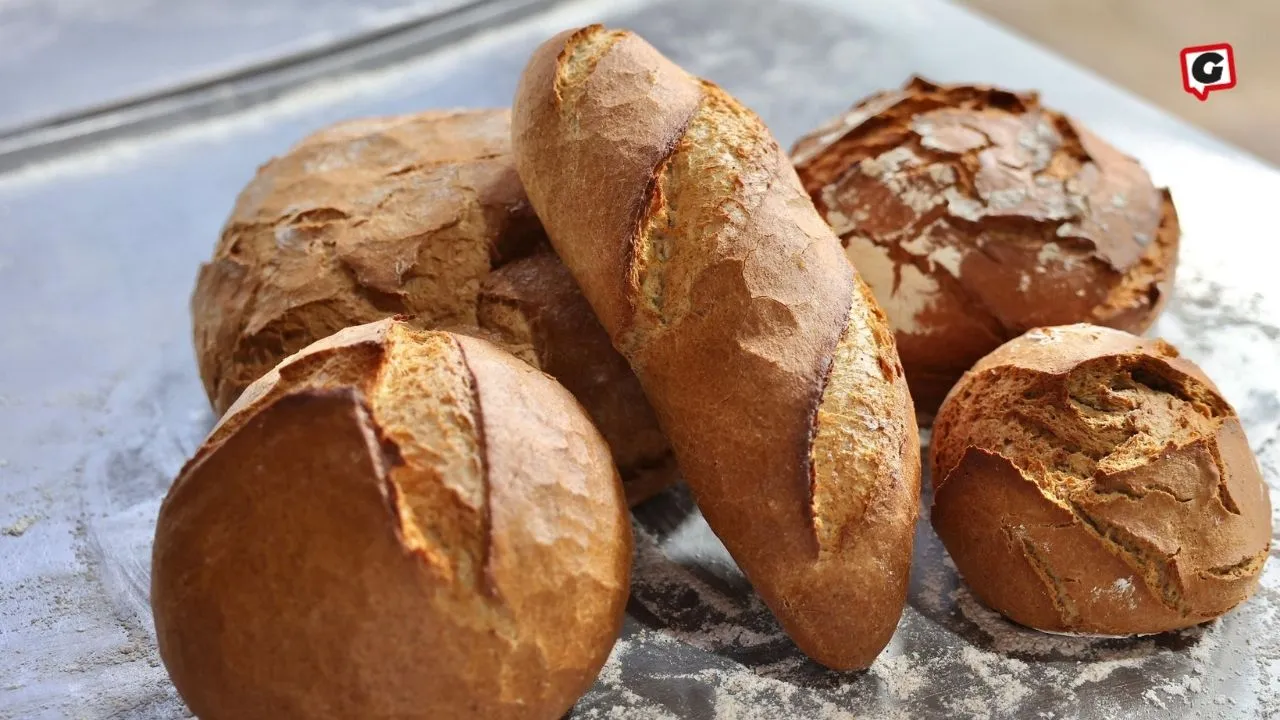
[
  {"x": 393, "y": 523},
  {"x": 1090, "y": 481},
  {"x": 535, "y": 304},
  {"x": 975, "y": 215},
  {"x": 360, "y": 221}
]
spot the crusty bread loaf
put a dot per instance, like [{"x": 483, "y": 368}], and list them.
[
  {"x": 768, "y": 364},
  {"x": 393, "y": 524},
  {"x": 358, "y": 222},
  {"x": 1087, "y": 480},
  {"x": 534, "y": 303},
  {"x": 976, "y": 214}
]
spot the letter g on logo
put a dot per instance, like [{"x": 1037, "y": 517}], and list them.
[{"x": 1206, "y": 68}]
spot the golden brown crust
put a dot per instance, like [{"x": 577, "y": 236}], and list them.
[
  {"x": 386, "y": 526},
  {"x": 976, "y": 214},
  {"x": 1088, "y": 480},
  {"x": 691, "y": 237},
  {"x": 535, "y": 303},
  {"x": 359, "y": 221}
]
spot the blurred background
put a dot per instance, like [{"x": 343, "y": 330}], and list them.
[
  {"x": 1135, "y": 44},
  {"x": 142, "y": 48}
]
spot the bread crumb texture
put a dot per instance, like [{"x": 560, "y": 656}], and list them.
[
  {"x": 359, "y": 221},
  {"x": 1088, "y": 480},
  {"x": 386, "y": 525},
  {"x": 975, "y": 214}
]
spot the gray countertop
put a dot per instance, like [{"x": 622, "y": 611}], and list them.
[{"x": 100, "y": 402}]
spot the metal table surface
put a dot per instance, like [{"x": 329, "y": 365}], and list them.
[
  {"x": 89, "y": 55},
  {"x": 100, "y": 401}
]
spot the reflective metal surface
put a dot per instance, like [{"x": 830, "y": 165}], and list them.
[
  {"x": 59, "y": 57},
  {"x": 100, "y": 402}
]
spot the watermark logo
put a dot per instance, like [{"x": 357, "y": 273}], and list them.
[{"x": 1207, "y": 68}]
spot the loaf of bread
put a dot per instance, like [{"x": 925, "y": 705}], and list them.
[
  {"x": 1087, "y": 480},
  {"x": 360, "y": 221},
  {"x": 393, "y": 523},
  {"x": 534, "y": 305},
  {"x": 409, "y": 215},
  {"x": 976, "y": 214},
  {"x": 767, "y": 362}
]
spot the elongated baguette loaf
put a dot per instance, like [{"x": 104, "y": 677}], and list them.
[{"x": 769, "y": 365}]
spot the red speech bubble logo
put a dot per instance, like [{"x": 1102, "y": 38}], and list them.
[{"x": 1208, "y": 68}]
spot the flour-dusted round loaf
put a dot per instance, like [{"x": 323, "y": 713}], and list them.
[
  {"x": 393, "y": 523},
  {"x": 536, "y": 308},
  {"x": 359, "y": 221},
  {"x": 1087, "y": 480},
  {"x": 976, "y": 214}
]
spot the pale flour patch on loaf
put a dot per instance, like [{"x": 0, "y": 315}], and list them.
[
  {"x": 1122, "y": 588},
  {"x": 949, "y": 258},
  {"x": 912, "y": 292},
  {"x": 1051, "y": 254},
  {"x": 889, "y": 165},
  {"x": 963, "y": 206}
]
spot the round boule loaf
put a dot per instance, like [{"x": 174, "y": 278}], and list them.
[
  {"x": 976, "y": 214},
  {"x": 1087, "y": 480},
  {"x": 535, "y": 307},
  {"x": 359, "y": 221},
  {"x": 393, "y": 523}
]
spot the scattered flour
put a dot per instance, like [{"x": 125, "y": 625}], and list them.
[
  {"x": 902, "y": 676},
  {"x": 1154, "y": 698},
  {"x": 1100, "y": 670},
  {"x": 1001, "y": 675},
  {"x": 20, "y": 526}
]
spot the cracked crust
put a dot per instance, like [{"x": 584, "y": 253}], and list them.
[
  {"x": 1088, "y": 480},
  {"x": 410, "y": 508},
  {"x": 762, "y": 355},
  {"x": 359, "y": 221},
  {"x": 976, "y": 214}
]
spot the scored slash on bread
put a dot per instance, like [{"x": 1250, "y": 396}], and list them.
[
  {"x": 1087, "y": 480},
  {"x": 769, "y": 365},
  {"x": 387, "y": 525}
]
